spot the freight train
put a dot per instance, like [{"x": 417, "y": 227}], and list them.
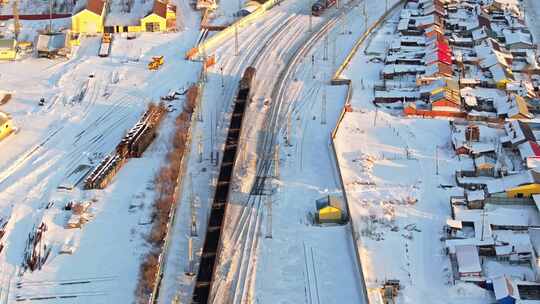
[
  {"x": 210, "y": 254},
  {"x": 318, "y": 7}
]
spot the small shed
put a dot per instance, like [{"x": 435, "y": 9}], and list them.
[
  {"x": 331, "y": 209},
  {"x": 505, "y": 292},
  {"x": 468, "y": 261},
  {"x": 485, "y": 166},
  {"x": 475, "y": 199},
  {"x": 472, "y": 133},
  {"x": 8, "y": 49},
  {"x": 51, "y": 45}
]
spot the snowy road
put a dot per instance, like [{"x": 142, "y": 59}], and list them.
[{"x": 532, "y": 17}]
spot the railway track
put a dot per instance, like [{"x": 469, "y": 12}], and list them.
[{"x": 245, "y": 234}]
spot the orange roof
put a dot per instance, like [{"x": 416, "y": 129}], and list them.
[
  {"x": 95, "y": 6},
  {"x": 160, "y": 8}
]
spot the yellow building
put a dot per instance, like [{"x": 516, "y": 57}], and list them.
[
  {"x": 520, "y": 109},
  {"x": 523, "y": 191},
  {"x": 8, "y": 49},
  {"x": 331, "y": 209},
  {"x": 6, "y": 126},
  {"x": 90, "y": 20},
  {"x": 162, "y": 18}
]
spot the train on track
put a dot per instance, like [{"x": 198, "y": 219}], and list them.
[
  {"x": 320, "y": 6},
  {"x": 211, "y": 247}
]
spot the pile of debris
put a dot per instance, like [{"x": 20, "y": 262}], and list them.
[
  {"x": 79, "y": 214},
  {"x": 36, "y": 251}
]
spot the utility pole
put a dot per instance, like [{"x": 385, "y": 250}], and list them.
[
  {"x": 222, "y": 80},
  {"x": 200, "y": 147},
  {"x": 17, "y": 23},
  {"x": 50, "y": 16},
  {"x": 276, "y": 162},
  {"x": 334, "y": 55},
  {"x": 189, "y": 268},
  {"x": 289, "y": 127},
  {"x": 365, "y": 15},
  {"x": 236, "y": 40},
  {"x": 193, "y": 209},
  {"x": 323, "y": 108},
  {"x": 310, "y": 22},
  {"x": 325, "y": 54},
  {"x": 313, "y": 65},
  {"x": 437, "y": 160},
  {"x": 199, "y": 107},
  {"x": 269, "y": 217}
]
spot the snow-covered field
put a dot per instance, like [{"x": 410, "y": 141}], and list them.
[{"x": 54, "y": 140}]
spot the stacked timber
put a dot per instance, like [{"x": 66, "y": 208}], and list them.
[
  {"x": 100, "y": 177},
  {"x": 133, "y": 144}
]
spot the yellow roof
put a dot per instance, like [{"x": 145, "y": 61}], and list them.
[{"x": 522, "y": 105}]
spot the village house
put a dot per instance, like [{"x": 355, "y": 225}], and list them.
[
  {"x": 162, "y": 18},
  {"x": 468, "y": 261},
  {"x": 90, "y": 20}
]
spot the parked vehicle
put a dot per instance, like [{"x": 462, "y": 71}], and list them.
[
  {"x": 106, "y": 43},
  {"x": 318, "y": 7},
  {"x": 156, "y": 62}
]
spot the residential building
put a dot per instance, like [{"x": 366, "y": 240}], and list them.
[{"x": 90, "y": 19}]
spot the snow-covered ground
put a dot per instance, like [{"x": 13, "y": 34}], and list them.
[
  {"x": 54, "y": 140},
  {"x": 394, "y": 170},
  {"x": 532, "y": 17}
]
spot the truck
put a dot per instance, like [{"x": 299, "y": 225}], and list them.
[
  {"x": 156, "y": 62},
  {"x": 318, "y": 7},
  {"x": 106, "y": 43}
]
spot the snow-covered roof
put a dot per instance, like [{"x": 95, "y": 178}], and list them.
[
  {"x": 454, "y": 223},
  {"x": 468, "y": 259},
  {"x": 534, "y": 233},
  {"x": 529, "y": 149},
  {"x": 503, "y": 288},
  {"x": 514, "y": 38},
  {"x": 477, "y": 195},
  {"x": 53, "y": 42},
  {"x": 479, "y": 34}
]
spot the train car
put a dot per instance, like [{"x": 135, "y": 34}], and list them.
[
  {"x": 245, "y": 83},
  {"x": 318, "y": 7}
]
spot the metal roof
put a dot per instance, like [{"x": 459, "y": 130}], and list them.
[{"x": 7, "y": 43}]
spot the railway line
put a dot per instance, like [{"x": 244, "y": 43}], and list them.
[
  {"x": 235, "y": 286},
  {"x": 247, "y": 231}
]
